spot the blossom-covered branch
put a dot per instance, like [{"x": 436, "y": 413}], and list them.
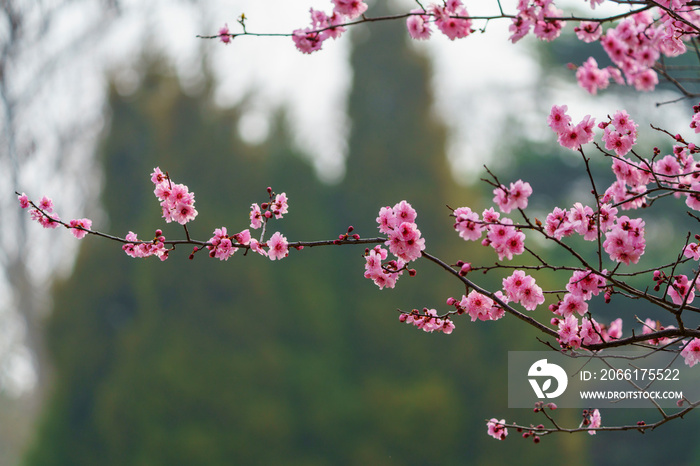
[{"x": 636, "y": 42}]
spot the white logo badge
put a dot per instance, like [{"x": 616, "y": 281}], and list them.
[{"x": 543, "y": 369}]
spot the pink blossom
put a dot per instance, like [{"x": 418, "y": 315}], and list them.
[
  {"x": 558, "y": 120},
  {"x": 573, "y": 303},
  {"x": 520, "y": 27},
  {"x": 452, "y": 19},
  {"x": 591, "y": 78},
  {"x": 515, "y": 284},
  {"x": 330, "y": 24},
  {"x": 158, "y": 177},
  {"x": 670, "y": 43},
  {"x": 695, "y": 123},
  {"x": 572, "y": 137},
  {"x": 645, "y": 80},
  {"x": 243, "y": 237},
  {"x": 477, "y": 305},
  {"x": 350, "y": 8},
  {"x": 490, "y": 216},
  {"x": 586, "y": 284},
  {"x": 404, "y": 212},
  {"x": 505, "y": 239},
  {"x": 607, "y": 216},
  {"x": 23, "y": 201},
  {"x": 614, "y": 330},
  {"x": 497, "y": 429},
  {"x": 624, "y": 123},
  {"x": 221, "y": 246},
  {"x": 595, "y": 421},
  {"x": 588, "y": 31},
  {"x": 280, "y": 205},
  {"x": 568, "y": 332},
  {"x": 183, "y": 213},
  {"x": 515, "y": 197},
  {"x": 467, "y": 224},
  {"x": 547, "y": 29},
  {"x": 405, "y": 242},
  {"x": 387, "y": 220},
  {"x": 418, "y": 25},
  {"x": 224, "y": 34},
  {"x": 558, "y": 224},
  {"x": 651, "y": 326},
  {"x": 46, "y": 204},
  {"x": 531, "y": 296},
  {"x": 691, "y": 352},
  {"x": 139, "y": 249},
  {"x": 522, "y": 288},
  {"x": 667, "y": 166},
  {"x": 45, "y": 220},
  {"x": 590, "y": 332},
  {"x": 278, "y": 247},
  {"x": 692, "y": 250},
  {"x": 681, "y": 290},
  {"x": 625, "y": 241},
  {"x": 162, "y": 191},
  {"x": 255, "y": 216},
  {"x": 77, "y": 224},
  {"x": 383, "y": 275},
  {"x": 306, "y": 40},
  {"x": 255, "y": 246},
  {"x": 403, "y": 236}
]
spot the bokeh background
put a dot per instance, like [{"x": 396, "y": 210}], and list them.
[{"x": 109, "y": 360}]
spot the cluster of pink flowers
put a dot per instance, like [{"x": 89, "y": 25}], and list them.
[
  {"x": 222, "y": 245},
  {"x": 451, "y": 18},
  {"x": 568, "y": 135},
  {"x": 521, "y": 288},
  {"x": 536, "y": 15},
  {"x": 505, "y": 238},
  {"x": 620, "y": 134},
  {"x": 479, "y": 306},
  {"x": 590, "y": 332},
  {"x": 47, "y": 218},
  {"x": 383, "y": 274},
  {"x": 635, "y": 44},
  {"x": 582, "y": 286},
  {"x": 497, "y": 429},
  {"x": 592, "y": 78},
  {"x": 625, "y": 242},
  {"x": 324, "y": 26},
  {"x": 44, "y": 214},
  {"x": 275, "y": 208},
  {"x": 176, "y": 201},
  {"x": 428, "y": 321},
  {"x": 514, "y": 197},
  {"x": 403, "y": 236},
  {"x": 140, "y": 249}
]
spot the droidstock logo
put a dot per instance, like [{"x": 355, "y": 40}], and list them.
[{"x": 546, "y": 372}]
